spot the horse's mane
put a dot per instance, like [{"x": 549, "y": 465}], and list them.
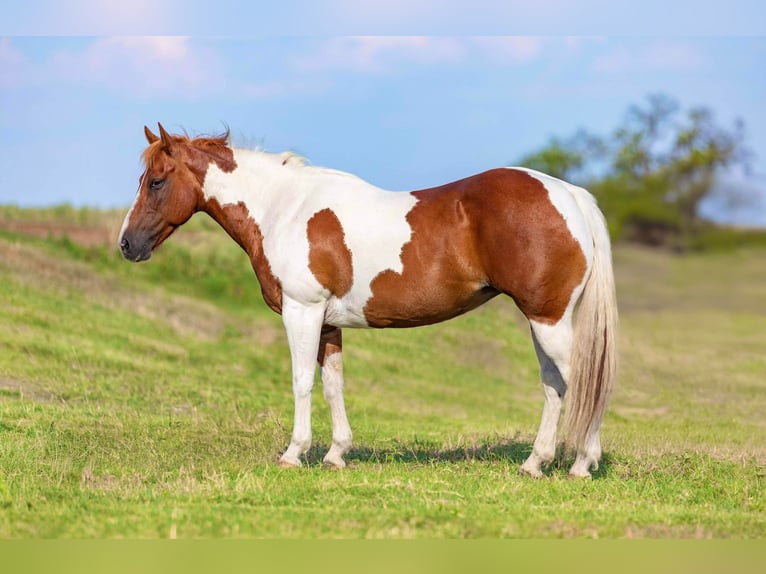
[
  {"x": 291, "y": 158},
  {"x": 219, "y": 146},
  {"x": 210, "y": 144}
]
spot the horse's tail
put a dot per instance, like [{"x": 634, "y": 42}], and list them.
[{"x": 593, "y": 365}]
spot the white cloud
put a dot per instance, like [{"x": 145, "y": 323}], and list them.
[
  {"x": 376, "y": 54},
  {"x": 12, "y": 64},
  {"x": 659, "y": 55},
  {"x": 146, "y": 67},
  {"x": 380, "y": 53},
  {"x": 139, "y": 65},
  {"x": 511, "y": 49}
]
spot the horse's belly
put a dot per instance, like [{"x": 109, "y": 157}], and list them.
[
  {"x": 407, "y": 308},
  {"x": 345, "y": 312}
]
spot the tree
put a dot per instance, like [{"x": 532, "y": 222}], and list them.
[
  {"x": 654, "y": 171},
  {"x": 566, "y": 159},
  {"x": 701, "y": 149}
]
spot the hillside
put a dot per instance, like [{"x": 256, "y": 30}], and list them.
[{"x": 151, "y": 400}]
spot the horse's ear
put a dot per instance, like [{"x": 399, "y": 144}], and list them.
[
  {"x": 150, "y": 137},
  {"x": 167, "y": 140}
]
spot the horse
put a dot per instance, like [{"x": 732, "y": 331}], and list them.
[{"x": 331, "y": 251}]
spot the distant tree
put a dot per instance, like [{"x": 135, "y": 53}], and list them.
[
  {"x": 635, "y": 142},
  {"x": 566, "y": 159},
  {"x": 700, "y": 151},
  {"x": 654, "y": 171}
]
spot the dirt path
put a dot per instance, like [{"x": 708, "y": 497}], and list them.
[{"x": 87, "y": 235}]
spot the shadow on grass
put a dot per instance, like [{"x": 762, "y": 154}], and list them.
[{"x": 513, "y": 452}]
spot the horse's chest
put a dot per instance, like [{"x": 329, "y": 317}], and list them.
[{"x": 336, "y": 251}]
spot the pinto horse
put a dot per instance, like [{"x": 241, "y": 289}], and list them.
[{"x": 332, "y": 251}]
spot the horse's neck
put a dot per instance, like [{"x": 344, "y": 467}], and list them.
[
  {"x": 255, "y": 181},
  {"x": 243, "y": 198}
]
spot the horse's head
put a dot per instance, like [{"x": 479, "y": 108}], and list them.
[{"x": 170, "y": 189}]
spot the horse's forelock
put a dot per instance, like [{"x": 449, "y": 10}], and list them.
[
  {"x": 205, "y": 143},
  {"x": 150, "y": 154}
]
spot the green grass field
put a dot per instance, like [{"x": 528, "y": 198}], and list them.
[{"x": 152, "y": 400}]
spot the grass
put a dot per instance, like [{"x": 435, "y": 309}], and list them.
[{"x": 151, "y": 401}]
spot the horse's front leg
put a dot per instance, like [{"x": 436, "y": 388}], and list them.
[
  {"x": 303, "y": 323},
  {"x": 330, "y": 360}
]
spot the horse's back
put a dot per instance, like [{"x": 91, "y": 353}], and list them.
[{"x": 504, "y": 230}]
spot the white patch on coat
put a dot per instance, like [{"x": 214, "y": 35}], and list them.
[
  {"x": 281, "y": 198},
  {"x": 126, "y": 221}
]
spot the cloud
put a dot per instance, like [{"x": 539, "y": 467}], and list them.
[
  {"x": 377, "y": 54},
  {"x": 141, "y": 66},
  {"x": 511, "y": 49},
  {"x": 659, "y": 55},
  {"x": 12, "y": 64},
  {"x": 380, "y": 53},
  {"x": 148, "y": 67}
]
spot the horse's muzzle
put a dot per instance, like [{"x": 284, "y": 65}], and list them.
[{"x": 135, "y": 250}]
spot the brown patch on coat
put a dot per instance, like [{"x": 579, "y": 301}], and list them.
[
  {"x": 330, "y": 342},
  {"x": 329, "y": 257},
  {"x": 236, "y": 221},
  {"x": 495, "y": 232}
]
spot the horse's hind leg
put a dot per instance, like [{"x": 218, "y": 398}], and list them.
[
  {"x": 553, "y": 345},
  {"x": 330, "y": 359},
  {"x": 589, "y": 457}
]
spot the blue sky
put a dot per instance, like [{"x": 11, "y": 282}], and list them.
[{"x": 402, "y": 111}]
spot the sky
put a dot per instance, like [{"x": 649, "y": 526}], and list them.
[{"x": 407, "y": 97}]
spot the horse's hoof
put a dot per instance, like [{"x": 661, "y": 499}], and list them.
[
  {"x": 334, "y": 464},
  {"x": 283, "y": 463},
  {"x": 532, "y": 473},
  {"x": 579, "y": 476}
]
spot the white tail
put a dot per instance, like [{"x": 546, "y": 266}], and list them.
[{"x": 594, "y": 354}]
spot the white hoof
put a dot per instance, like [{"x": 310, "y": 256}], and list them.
[
  {"x": 284, "y": 462},
  {"x": 579, "y": 471},
  {"x": 334, "y": 463},
  {"x": 531, "y": 471}
]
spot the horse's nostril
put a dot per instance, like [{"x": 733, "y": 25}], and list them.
[{"x": 124, "y": 245}]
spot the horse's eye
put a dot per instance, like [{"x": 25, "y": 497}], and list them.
[{"x": 156, "y": 184}]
